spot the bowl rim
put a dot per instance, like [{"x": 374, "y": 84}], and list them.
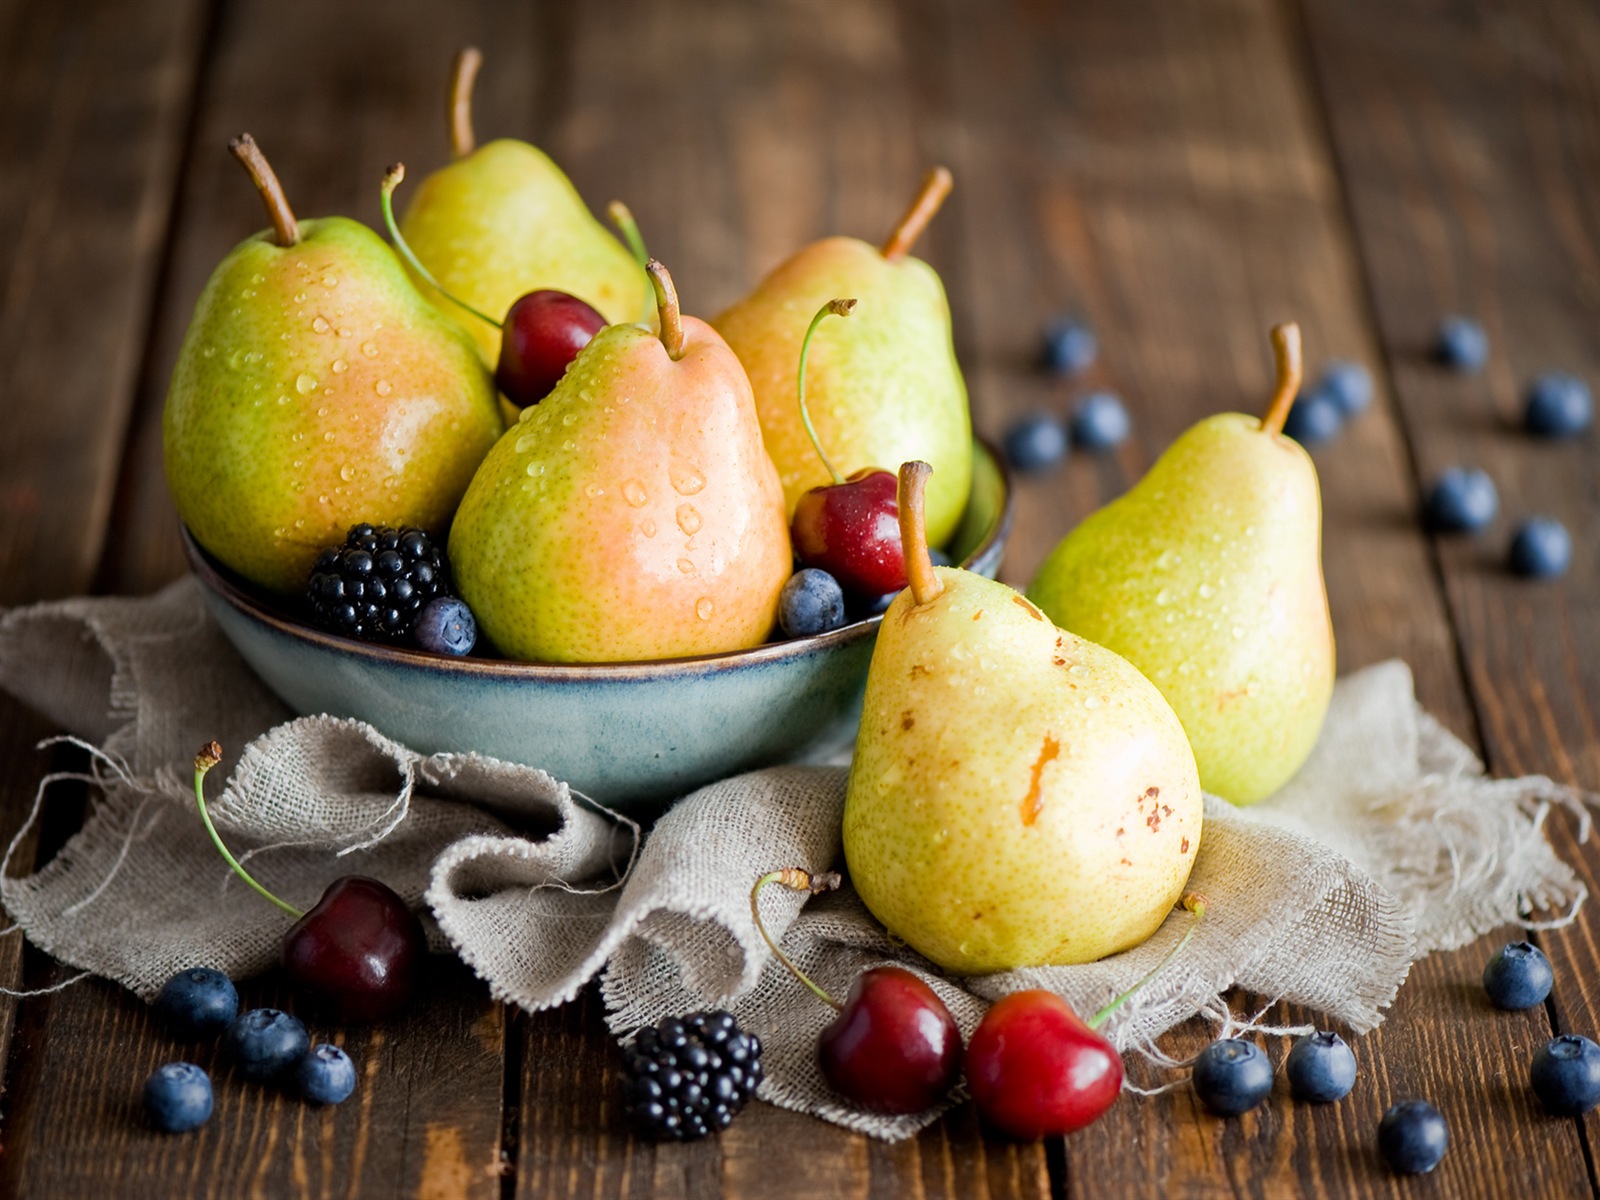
[{"x": 219, "y": 581}]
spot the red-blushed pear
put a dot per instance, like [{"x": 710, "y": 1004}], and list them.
[
  {"x": 1207, "y": 576},
  {"x": 634, "y": 513},
  {"x": 884, "y": 387},
  {"x": 1019, "y": 797},
  {"x": 316, "y": 389}
]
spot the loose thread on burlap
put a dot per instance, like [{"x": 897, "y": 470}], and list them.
[
  {"x": 96, "y": 755},
  {"x": 47, "y": 991},
  {"x": 133, "y": 836},
  {"x": 1215, "y": 1009},
  {"x": 1563, "y": 921}
]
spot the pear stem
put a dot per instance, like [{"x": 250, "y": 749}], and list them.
[
  {"x": 622, "y": 217},
  {"x": 458, "y": 110},
  {"x": 285, "y": 228},
  {"x": 1286, "y": 354},
  {"x": 935, "y": 187},
  {"x": 667, "y": 309},
  {"x": 391, "y": 180},
  {"x": 1195, "y": 903},
  {"x": 926, "y": 586},
  {"x": 837, "y": 308},
  {"x": 799, "y": 880},
  {"x": 210, "y": 755}
]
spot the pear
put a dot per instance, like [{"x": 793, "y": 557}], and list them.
[
  {"x": 503, "y": 220},
  {"x": 1019, "y": 796},
  {"x": 887, "y": 389},
  {"x": 1207, "y": 576},
  {"x": 316, "y": 389},
  {"x": 632, "y": 514}
]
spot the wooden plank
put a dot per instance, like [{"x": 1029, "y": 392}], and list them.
[
  {"x": 1160, "y": 169},
  {"x": 1471, "y": 150}
]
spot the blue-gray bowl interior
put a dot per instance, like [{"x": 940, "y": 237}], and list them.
[{"x": 631, "y": 736}]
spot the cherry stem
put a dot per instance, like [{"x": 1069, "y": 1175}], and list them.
[
  {"x": 667, "y": 309},
  {"x": 285, "y": 228},
  {"x": 210, "y": 755},
  {"x": 926, "y": 586},
  {"x": 458, "y": 110},
  {"x": 799, "y": 880},
  {"x": 391, "y": 180},
  {"x": 837, "y": 308},
  {"x": 935, "y": 187},
  {"x": 1286, "y": 354},
  {"x": 1195, "y": 903},
  {"x": 622, "y": 217}
]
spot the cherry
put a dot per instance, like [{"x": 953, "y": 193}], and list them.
[
  {"x": 894, "y": 1047},
  {"x": 358, "y": 954},
  {"x": 542, "y": 334},
  {"x": 850, "y": 527}
]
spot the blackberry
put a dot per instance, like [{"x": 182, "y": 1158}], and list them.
[
  {"x": 375, "y": 584},
  {"x": 690, "y": 1076}
]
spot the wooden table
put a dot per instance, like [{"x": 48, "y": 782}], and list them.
[{"x": 1183, "y": 174}]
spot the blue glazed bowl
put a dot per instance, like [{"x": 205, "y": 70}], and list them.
[{"x": 632, "y": 736}]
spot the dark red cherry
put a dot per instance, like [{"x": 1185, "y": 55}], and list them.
[
  {"x": 894, "y": 1047},
  {"x": 1036, "y": 1069},
  {"x": 852, "y": 531},
  {"x": 541, "y": 335},
  {"x": 358, "y": 955}
]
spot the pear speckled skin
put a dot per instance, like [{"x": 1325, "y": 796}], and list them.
[
  {"x": 504, "y": 221},
  {"x": 883, "y": 387},
  {"x": 1019, "y": 797},
  {"x": 633, "y": 514},
  {"x": 316, "y": 389},
  {"x": 1207, "y": 576}
]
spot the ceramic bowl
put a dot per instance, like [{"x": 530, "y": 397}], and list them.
[{"x": 632, "y": 736}]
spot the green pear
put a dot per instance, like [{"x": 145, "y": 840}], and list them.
[
  {"x": 1019, "y": 796},
  {"x": 881, "y": 392},
  {"x": 633, "y": 513},
  {"x": 503, "y": 220},
  {"x": 316, "y": 389},
  {"x": 1207, "y": 576}
]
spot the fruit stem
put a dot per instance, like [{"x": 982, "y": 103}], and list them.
[
  {"x": 1286, "y": 354},
  {"x": 935, "y": 187},
  {"x": 210, "y": 755},
  {"x": 458, "y": 110},
  {"x": 926, "y": 586},
  {"x": 799, "y": 880},
  {"x": 667, "y": 309},
  {"x": 622, "y": 217},
  {"x": 837, "y": 308},
  {"x": 1195, "y": 903},
  {"x": 391, "y": 180},
  {"x": 285, "y": 228}
]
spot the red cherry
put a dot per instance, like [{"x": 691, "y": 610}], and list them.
[
  {"x": 357, "y": 955},
  {"x": 852, "y": 531},
  {"x": 1036, "y": 1069},
  {"x": 894, "y": 1046},
  {"x": 541, "y": 335}
]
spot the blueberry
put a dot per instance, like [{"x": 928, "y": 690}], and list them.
[
  {"x": 1412, "y": 1137},
  {"x": 326, "y": 1074},
  {"x": 1518, "y": 976},
  {"x": 446, "y": 626},
  {"x": 1461, "y": 343},
  {"x": 1559, "y": 406},
  {"x": 1100, "y": 422},
  {"x": 1541, "y": 548},
  {"x": 1036, "y": 442},
  {"x": 1069, "y": 346},
  {"x": 1463, "y": 499},
  {"x": 811, "y": 602},
  {"x": 267, "y": 1043},
  {"x": 1321, "y": 1068},
  {"x": 1348, "y": 385},
  {"x": 1566, "y": 1075},
  {"x": 1315, "y": 417},
  {"x": 1232, "y": 1076},
  {"x": 197, "y": 1002},
  {"x": 178, "y": 1097}
]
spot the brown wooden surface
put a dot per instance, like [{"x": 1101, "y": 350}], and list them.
[{"x": 1182, "y": 174}]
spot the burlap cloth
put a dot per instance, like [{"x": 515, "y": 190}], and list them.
[{"x": 1389, "y": 843}]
